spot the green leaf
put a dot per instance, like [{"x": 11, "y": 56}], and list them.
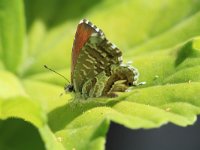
[
  {"x": 161, "y": 38},
  {"x": 29, "y": 135}
]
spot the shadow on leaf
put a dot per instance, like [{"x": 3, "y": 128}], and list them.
[{"x": 62, "y": 116}]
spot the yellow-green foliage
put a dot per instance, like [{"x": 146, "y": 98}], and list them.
[{"x": 160, "y": 37}]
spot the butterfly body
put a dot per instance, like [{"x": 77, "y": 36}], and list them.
[{"x": 97, "y": 68}]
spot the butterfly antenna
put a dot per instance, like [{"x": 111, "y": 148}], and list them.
[{"x": 56, "y": 73}]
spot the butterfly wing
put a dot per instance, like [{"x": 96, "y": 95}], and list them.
[
  {"x": 82, "y": 35},
  {"x": 91, "y": 54}
]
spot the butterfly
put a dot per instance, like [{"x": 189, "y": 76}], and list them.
[{"x": 96, "y": 67}]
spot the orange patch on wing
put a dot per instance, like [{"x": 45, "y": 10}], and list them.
[{"x": 83, "y": 33}]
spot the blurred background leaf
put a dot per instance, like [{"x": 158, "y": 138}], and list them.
[
  {"x": 18, "y": 135},
  {"x": 12, "y": 34}
]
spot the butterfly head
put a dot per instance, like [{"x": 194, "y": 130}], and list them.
[{"x": 69, "y": 88}]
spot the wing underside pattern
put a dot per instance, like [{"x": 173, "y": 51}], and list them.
[{"x": 91, "y": 54}]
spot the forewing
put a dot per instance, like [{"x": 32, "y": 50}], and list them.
[
  {"x": 92, "y": 55},
  {"x": 82, "y": 35}
]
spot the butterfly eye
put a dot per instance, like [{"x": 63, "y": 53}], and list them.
[{"x": 69, "y": 88}]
